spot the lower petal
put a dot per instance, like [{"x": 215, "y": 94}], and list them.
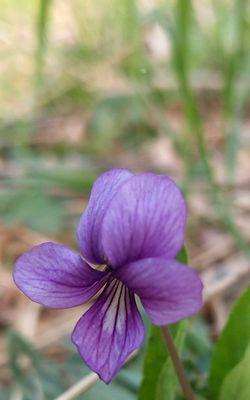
[
  {"x": 56, "y": 276},
  {"x": 169, "y": 291},
  {"x": 109, "y": 331}
]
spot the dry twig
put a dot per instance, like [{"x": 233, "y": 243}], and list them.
[{"x": 79, "y": 388}]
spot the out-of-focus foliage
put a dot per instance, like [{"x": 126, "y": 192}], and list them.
[
  {"x": 116, "y": 67},
  {"x": 38, "y": 378},
  {"x": 119, "y": 84},
  {"x": 86, "y": 85},
  {"x": 236, "y": 384},
  {"x": 231, "y": 347}
]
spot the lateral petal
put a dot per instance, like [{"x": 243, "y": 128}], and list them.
[
  {"x": 56, "y": 276},
  {"x": 169, "y": 291}
]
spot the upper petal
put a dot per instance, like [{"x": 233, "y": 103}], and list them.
[
  {"x": 109, "y": 331},
  {"x": 88, "y": 234},
  {"x": 146, "y": 218},
  {"x": 169, "y": 291},
  {"x": 56, "y": 276}
]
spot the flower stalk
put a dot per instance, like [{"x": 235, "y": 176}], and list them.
[{"x": 186, "y": 388}]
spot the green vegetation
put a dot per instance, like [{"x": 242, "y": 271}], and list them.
[{"x": 86, "y": 85}]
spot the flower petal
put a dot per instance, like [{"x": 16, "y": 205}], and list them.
[
  {"x": 56, "y": 276},
  {"x": 169, "y": 291},
  {"x": 146, "y": 218},
  {"x": 109, "y": 331},
  {"x": 88, "y": 234}
]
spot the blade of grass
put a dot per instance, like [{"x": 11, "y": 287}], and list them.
[
  {"x": 38, "y": 78},
  {"x": 41, "y": 37},
  {"x": 233, "y": 103},
  {"x": 234, "y": 60}
]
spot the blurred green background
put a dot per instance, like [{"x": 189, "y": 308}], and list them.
[{"x": 149, "y": 85}]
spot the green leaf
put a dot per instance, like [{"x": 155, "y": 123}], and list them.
[
  {"x": 17, "y": 346},
  {"x": 182, "y": 256},
  {"x": 155, "y": 357},
  {"x": 156, "y": 354},
  {"x": 236, "y": 385},
  {"x": 25, "y": 379},
  {"x": 197, "y": 354},
  {"x": 33, "y": 208},
  {"x": 76, "y": 179},
  {"x": 167, "y": 382},
  {"x": 232, "y": 343}
]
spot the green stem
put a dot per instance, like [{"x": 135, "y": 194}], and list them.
[{"x": 186, "y": 388}]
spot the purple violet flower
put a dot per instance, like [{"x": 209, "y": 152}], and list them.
[{"x": 134, "y": 227}]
